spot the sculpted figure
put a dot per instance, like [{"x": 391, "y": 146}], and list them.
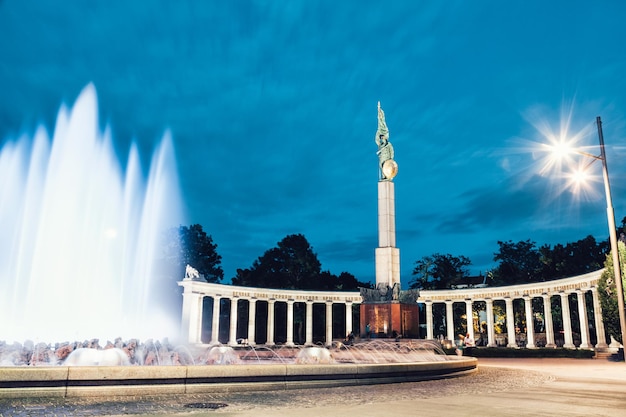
[
  {"x": 388, "y": 167},
  {"x": 191, "y": 272}
]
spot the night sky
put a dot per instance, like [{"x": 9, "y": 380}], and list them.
[{"x": 272, "y": 109}]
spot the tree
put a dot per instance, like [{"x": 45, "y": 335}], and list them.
[
  {"x": 192, "y": 246},
  {"x": 582, "y": 256},
  {"x": 587, "y": 255},
  {"x": 520, "y": 263},
  {"x": 294, "y": 265},
  {"x": 291, "y": 265},
  {"x": 437, "y": 271},
  {"x": 608, "y": 294}
]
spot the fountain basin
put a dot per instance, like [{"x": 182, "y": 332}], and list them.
[{"x": 96, "y": 381}]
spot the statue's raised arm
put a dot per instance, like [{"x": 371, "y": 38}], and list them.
[{"x": 388, "y": 167}]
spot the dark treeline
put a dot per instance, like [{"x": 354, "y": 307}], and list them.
[
  {"x": 293, "y": 264},
  {"x": 520, "y": 262},
  {"x": 517, "y": 263}
]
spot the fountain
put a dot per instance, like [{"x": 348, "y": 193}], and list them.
[{"x": 80, "y": 234}]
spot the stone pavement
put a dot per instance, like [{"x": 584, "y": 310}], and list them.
[{"x": 500, "y": 387}]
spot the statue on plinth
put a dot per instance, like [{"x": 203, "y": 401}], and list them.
[
  {"x": 388, "y": 167},
  {"x": 383, "y": 293}
]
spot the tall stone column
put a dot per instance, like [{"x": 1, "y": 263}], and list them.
[
  {"x": 567, "y": 322},
  {"x": 429, "y": 320},
  {"x": 232, "y": 339},
  {"x": 270, "y": 322},
  {"x": 530, "y": 322},
  {"x": 547, "y": 319},
  {"x": 309, "y": 324},
  {"x": 289, "y": 341},
  {"x": 329, "y": 323},
  {"x": 491, "y": 330},
  {"x": 470, "y": 317},
  {"x": 510, "y": 322},
  {"x": 252, "y": 321},
  {"x": 599, "y": 322},
  {"x": 582, "y": 319},
  {"x": 387, "y": 255},
  {"x": 215, "y": 320},
  {"x": 450, "y": 320}
]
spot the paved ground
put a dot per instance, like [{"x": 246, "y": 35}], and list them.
[{"x": 500, "y": 387}]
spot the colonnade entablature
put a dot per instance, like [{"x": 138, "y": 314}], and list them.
[
  {"x": 588, "y": 327},
  {"x": 267, "y": 294},
  {"x": 584, "y": 282}
]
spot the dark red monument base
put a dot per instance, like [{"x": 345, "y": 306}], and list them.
[{"x": 385, "y": 318}]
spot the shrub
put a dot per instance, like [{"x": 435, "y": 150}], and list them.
[{"x": 485, "y": 352}]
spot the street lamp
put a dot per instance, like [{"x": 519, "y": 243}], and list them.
[
  {"x": 611, "y": 220},
  {"x": 612, "y": 233}
]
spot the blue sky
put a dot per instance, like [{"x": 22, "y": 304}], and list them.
[{"x": 272, "y": 108}]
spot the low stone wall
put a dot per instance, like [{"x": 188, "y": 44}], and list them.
[{"x": 94, "y": 381}]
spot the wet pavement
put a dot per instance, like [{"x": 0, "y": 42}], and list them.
[{"x": 499, "y": 387}]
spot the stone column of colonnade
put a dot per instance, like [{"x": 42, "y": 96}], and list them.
[
  {"x": 252, "y": 322},
  {"x": 348, "y": 317},
  {"x": 450, "y": 319},
  {"x": 429, "y": 320},
  {"x": 530, "y": 322},
  {"x": 510, "y": 322},
  {"x": 309, "y": 323},
  {"x": 491, "y": 331},
  {"x": 232, "y": 331},
  {"x": 470, "y": 318},
  {"x": 289, "y": 341},
  {"x": 329, "y": 322},
  {"x": 584, "y": 323},
  {"x": 192, "y": 316},
  {"x": 597, "y": 313},
  {"x": 270, "y": 322},
  {"x": 215, "y": 322},
  {"x": 567, "y": 321},
  {"x": 548, "y": 324}
]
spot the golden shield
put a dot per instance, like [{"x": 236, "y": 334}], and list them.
[{"x": 390, "y": 168}]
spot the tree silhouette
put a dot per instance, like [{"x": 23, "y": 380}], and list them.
[
  {"x": 293, "y": 265},
  {"x": 192, "y": 246}
]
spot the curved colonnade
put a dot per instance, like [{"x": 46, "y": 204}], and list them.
[{"x": 555, "y": 296}]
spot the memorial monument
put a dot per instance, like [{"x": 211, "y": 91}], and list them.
[{"x": 387, "y": 311}]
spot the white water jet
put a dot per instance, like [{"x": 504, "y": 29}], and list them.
[{"x": 79, "y": 234}]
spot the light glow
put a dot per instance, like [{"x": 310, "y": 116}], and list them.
[{"x": 561, "y": 153}]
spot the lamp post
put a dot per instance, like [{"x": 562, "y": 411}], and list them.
[{"x": 612, "y": 231}]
